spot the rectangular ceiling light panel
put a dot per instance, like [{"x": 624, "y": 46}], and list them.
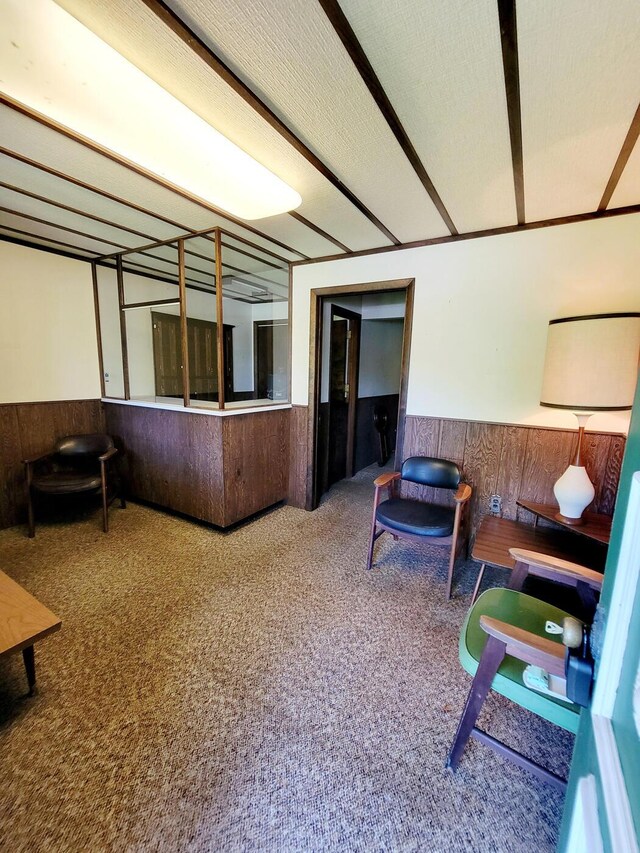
[{"x": 55, "y": 65}]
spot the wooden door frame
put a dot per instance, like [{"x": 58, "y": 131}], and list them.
[
  {"x": 354, "y": 370},
  {"x": 317, "y": 295}
]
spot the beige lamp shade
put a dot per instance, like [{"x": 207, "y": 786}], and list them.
[{"x": 592, "y": 362}]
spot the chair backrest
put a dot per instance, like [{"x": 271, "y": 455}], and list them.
[
  {"x": 93, "y": 444},
  {"x": 428, "y": 471}
]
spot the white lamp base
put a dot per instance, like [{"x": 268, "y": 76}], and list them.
[{"x": 574, "y": 492}]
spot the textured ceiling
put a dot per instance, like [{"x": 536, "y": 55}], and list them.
[{"x": 306, "y": 106}]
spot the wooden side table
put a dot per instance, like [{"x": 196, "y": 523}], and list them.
[
  {"x": 496, "y": 535},
  {"x": 595, "y": 526}
]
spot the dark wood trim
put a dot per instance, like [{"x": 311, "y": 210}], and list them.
[
  {"x": 126, "y": 249},
  {"x": 213, "y": 61},
  {"x": 316, "y": 296},
  {"x": 475, "y": 235},
  {"x": 184, "y": 343},
  {"x": 625, "y": 152},
  {"x": 123, "y": 329},
  {"x": 318, "y": 230},
  {"x": 75, "y": 210},
  {"x": 31, "y": 218},
  {"x": 404, "y": 371},
  {"x": 90, "y": 188},
  {"x": 124, "y": 228},
  {"x": 29, "y": 245},
  {"x": 96, "y": 308},
  {"x": 256, "y": 246},
  {"x": 290, "y": 354},
  {"x": 151, "y": 303},
  {"x": 51, "y": 402},
  {"x": 347, "y": 36},
  {"x": 509, "y": 39},
  {"x": 219, "y": 319},
  {"x": 91, "y": 255},
  {"x": 354, "y": 367}
]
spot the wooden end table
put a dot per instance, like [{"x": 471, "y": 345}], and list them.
[
  {"x": 23, "y": 621},
  {"x": 497, "y": 535}
]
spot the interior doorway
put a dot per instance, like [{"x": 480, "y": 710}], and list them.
[{"x": 359, "y": 378}]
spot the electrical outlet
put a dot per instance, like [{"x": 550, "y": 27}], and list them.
[{"x": 495, "y": 504}]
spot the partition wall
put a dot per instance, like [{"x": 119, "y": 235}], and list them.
[{"x": 201, "y": 321}]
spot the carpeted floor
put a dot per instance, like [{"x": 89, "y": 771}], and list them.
[{"x": 256, "y": 690}]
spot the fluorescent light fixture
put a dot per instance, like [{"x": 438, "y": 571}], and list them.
[{"x": 55, "y": 65}]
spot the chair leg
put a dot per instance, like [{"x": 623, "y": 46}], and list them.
[
  {"x": 476, "y": 588},
  {"x": 123, "y": 503},
  {"x": 105, "y": 507},
  {"x": 452, "y": 560},
  {"x": 371, "y": 542},
  {"x": 30, "y": 517},
  {"x": 492, "y": 656}
]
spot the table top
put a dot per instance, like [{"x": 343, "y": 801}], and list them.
[
  {"x": 23, "y": 620},
  {"x": 596, "y": 526},
  {"x": 496, "y": 535}
]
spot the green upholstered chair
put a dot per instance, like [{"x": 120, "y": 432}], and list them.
[
  {"x": 502, "y": 634},
  {"x": 421, "y": 521}
]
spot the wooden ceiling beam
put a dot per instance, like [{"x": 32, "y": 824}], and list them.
[
  {"x": 475, "y": 235},
  {"x": 347, "y": 36},
  {"x": 625, "y": 152},
  {"x": 213, "y": 61},
  {"x": 510, "y": 64}
]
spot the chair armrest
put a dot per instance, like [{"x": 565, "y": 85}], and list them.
[
  {"x": 552, "y": 568},
  {"x": 386, "y": 479},
  {"x": 463, "y": 494},
  {"x": 106, "y": 456},
  {"x": 38, "y": 458},
  {"x": 526, "y": 646}
]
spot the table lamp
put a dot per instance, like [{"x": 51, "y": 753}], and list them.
[{"x": 591, "y": 366}]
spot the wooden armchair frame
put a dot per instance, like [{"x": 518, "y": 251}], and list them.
[
  {"x": 390, "y": 482},
  {"x": 505, "y": 639},
  {"x": 103, "y": 459}
]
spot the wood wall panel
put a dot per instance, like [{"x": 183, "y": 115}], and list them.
[
  {"x": 256, "y": 462},
  {"x": 27, "y": 429},
  {"x": 172, "y": 459},
  {"x": 299, "y": 467},
  {"x": 516, "y": 461},
  {"x": 509, "y": 477},
  {"x": 217, "y": 469},
  {"x": 481, "y": 464}
]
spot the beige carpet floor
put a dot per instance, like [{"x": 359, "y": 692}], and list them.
[{"x": 254, "y": 691}]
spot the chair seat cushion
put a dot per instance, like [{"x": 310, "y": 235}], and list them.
[
  {"x": 66, "y": 482},
  {"x": 417, "y": 517},
  {"x": 530, "y": 614}
]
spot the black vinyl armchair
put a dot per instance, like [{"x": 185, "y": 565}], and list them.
[
  {"x": 77, "y": 464},
  {"x": 421, "y": 521}
]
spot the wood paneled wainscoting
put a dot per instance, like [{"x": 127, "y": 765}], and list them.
[
  {"x": 507, "y": 460},
  {"x": 27, "y": 429},
  {"x": 219, "y": 469},
  {"x": 516, "y": 461}
]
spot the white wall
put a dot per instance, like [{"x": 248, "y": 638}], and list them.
[
  {"x": 481, "y": 312},
  {"x": 380, "y": 357},
  {"x": 48, "y": 342}
]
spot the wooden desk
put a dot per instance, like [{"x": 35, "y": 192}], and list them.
[
  {"x": 23, "y": 621},
  {"x": 496, "y": 535},
  {"x": 596, "y": 526}
]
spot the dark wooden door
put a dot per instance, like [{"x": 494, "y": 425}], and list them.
[
  {"x": 203, "y": 357},
  {"x": 271, "y": 344},
  {"x": 344, "y": 351},
  {"x": 167, "y": 357}
]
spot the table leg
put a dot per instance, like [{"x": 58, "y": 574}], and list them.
[
  {"x": 29, "y": 658},
  {"x": 476, "y": 589}
]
